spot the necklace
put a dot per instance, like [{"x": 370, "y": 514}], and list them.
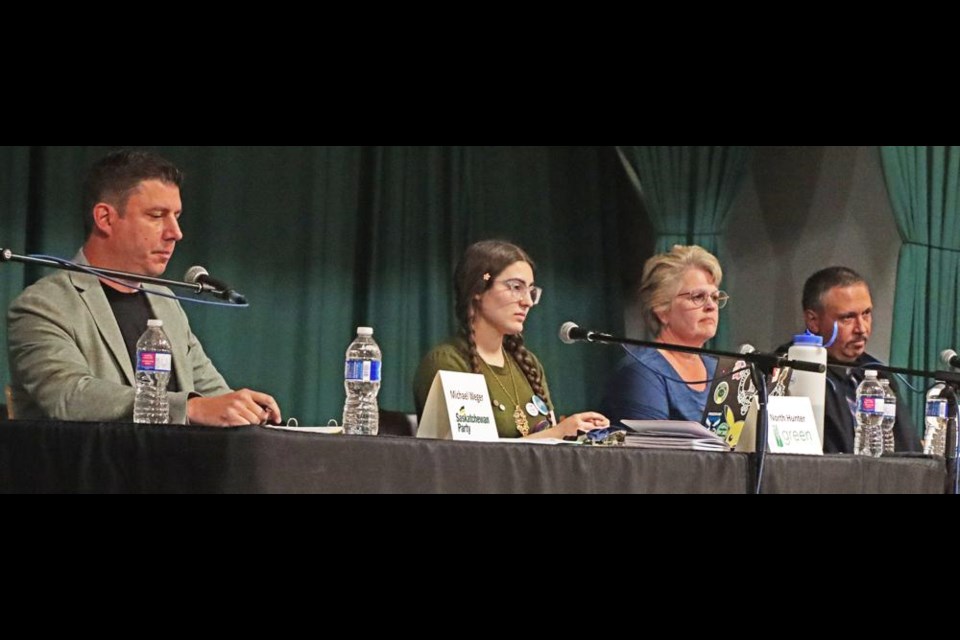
[{"x": 519, "y": 417}]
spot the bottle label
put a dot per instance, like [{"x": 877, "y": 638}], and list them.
[
  {"x": 889, "y": 409},
  {"x": 362, "y": 370},
  {"x": 937, "y": 409},
  {"x": 152, "y": 361},
  {"x": 871, "y": 405}
]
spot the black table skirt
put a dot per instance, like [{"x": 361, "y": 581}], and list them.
[{"x": 52, "y": 457}]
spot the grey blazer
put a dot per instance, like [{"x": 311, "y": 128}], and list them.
[{"x": 68, "y": 360}]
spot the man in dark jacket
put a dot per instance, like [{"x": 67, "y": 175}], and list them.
[{"x": 840, "y": 295}]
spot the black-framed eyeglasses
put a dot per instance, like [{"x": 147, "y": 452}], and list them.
[
  {"x": 520, "y": 290},
  {"x": 699, "y": 298}
]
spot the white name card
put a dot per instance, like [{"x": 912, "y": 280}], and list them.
[
  {"x": 791, "y": 427},
  {"x": 458, "y": 408}
]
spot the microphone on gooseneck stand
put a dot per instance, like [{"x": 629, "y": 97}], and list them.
[
  {"x": 219, "y": 288},
  {"x": 570, "y": 332},
  {"x": 950, "y": 358}
]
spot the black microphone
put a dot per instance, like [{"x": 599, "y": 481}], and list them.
[
  {"x": 950, "y": 358},
  {"x": 219, "y": 288},
  {"x": 570, "y": 332}
]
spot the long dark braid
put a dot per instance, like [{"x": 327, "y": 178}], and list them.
[
  {"x": 514, "y": 345},
  {"x": 472, "y": 350}
]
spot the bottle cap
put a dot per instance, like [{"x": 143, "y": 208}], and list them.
[
  {"x": 364, "y": 331},
  {"x": 808, "y": 338},
  {"x": 870, "y": 373},
  {"x": 154, "y": 323}
]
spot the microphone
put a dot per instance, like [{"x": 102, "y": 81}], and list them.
[
  {"x": 219, "y": 288},
  {"x": 950, "y": 358},
  {"x": 570, "y": 332}
]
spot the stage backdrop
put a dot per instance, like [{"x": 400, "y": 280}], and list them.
[{"x": 324, "y": 239}]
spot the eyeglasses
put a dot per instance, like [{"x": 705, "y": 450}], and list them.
[
  {"x": 520, "y": 290},
  {"x": 699, "y": 298}
]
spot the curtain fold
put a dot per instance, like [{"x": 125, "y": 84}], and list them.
[
  {"x": 324, "y": 239},
  {"x": 688, "y": 193},
  {"x": 923, "y": 184},
  {"x": 14, "y": 198}
]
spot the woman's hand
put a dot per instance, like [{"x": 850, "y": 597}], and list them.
[{"x": 586, "y": 421}]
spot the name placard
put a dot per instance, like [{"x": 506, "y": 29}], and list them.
[
  {"x": 458, "y": 408},
  {"x": 791, "y": 427}
]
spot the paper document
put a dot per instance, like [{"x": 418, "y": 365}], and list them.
[
  {"x": 673, "y": 434},
  {"x": 326, "y": 430},
  {"x": 537, "y": 441}
]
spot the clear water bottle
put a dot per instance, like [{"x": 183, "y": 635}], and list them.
[
  {"x": 361, "y": 380},
  {"x": 154, "y": 363},
  {"x": 935, "y": 422},
  {"x": 868, "y": 434},
  {"x": 889, "y": 416}
]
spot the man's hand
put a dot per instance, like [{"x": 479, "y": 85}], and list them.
[{"x": 235, "y": 409}]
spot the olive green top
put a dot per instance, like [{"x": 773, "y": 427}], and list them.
[{"x": 453, "y": 355}]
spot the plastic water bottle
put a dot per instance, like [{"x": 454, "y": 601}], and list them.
[
  {"x": 935, "y": 422},
  {"x": 809, "y": 347},
  {"x": 361, "y": 380},
  {"x": 154, "y": 363},
  {"x": 868, "y": 434},
  {"x": 889, "y": 416}
]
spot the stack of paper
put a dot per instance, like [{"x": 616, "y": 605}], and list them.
[{"x": 673, "y": 434}]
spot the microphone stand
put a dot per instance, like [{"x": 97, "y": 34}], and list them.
[
  {"x": 767, "y": 361},
  {"x": 950, "y": 390},
  {"x": 6, "y": 255},
  {"x": 940, "y": 376},
  {"x": 760, "y": 450},
  {"x": 761, "y": 366}
]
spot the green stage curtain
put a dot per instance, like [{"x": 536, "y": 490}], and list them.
[
  {"x": 923, "y": 184},
  {"x": 688, "y": 193}
]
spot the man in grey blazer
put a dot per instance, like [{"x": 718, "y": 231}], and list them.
[{"x": 72, "y": 336}]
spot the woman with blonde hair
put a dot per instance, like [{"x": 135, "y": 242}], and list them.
[
  {"x": 680, "y": 302},
  {"x": 494, "y": 293}
]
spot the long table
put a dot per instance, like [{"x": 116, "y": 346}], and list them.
[{"x": 59, "y": 457}]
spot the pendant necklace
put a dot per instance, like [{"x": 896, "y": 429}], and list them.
[{"x": 519, "y": 417}]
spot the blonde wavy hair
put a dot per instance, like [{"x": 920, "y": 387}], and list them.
[{"x": 661, "y": 279}]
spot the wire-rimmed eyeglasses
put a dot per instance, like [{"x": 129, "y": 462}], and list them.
[
  {"x": 520, "y": 290},
  {"x": 699, "y": 298}
]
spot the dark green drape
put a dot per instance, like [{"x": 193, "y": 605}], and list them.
[
  {"x": 14, "y": 168},
  {"x": 688, "y": 193},
  {"x": 924, "y": 188},
  {"x": 325, "y": 239}
]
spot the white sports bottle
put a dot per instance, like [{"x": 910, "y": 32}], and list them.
[{"x": 809, "y": 347}]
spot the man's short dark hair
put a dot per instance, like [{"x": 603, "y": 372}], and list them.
[
  {"x": 824, "y": 280},
  {"x": 113, "y": 177}
]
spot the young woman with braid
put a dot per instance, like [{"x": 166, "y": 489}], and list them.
[{"x": 494, "y": 293}]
